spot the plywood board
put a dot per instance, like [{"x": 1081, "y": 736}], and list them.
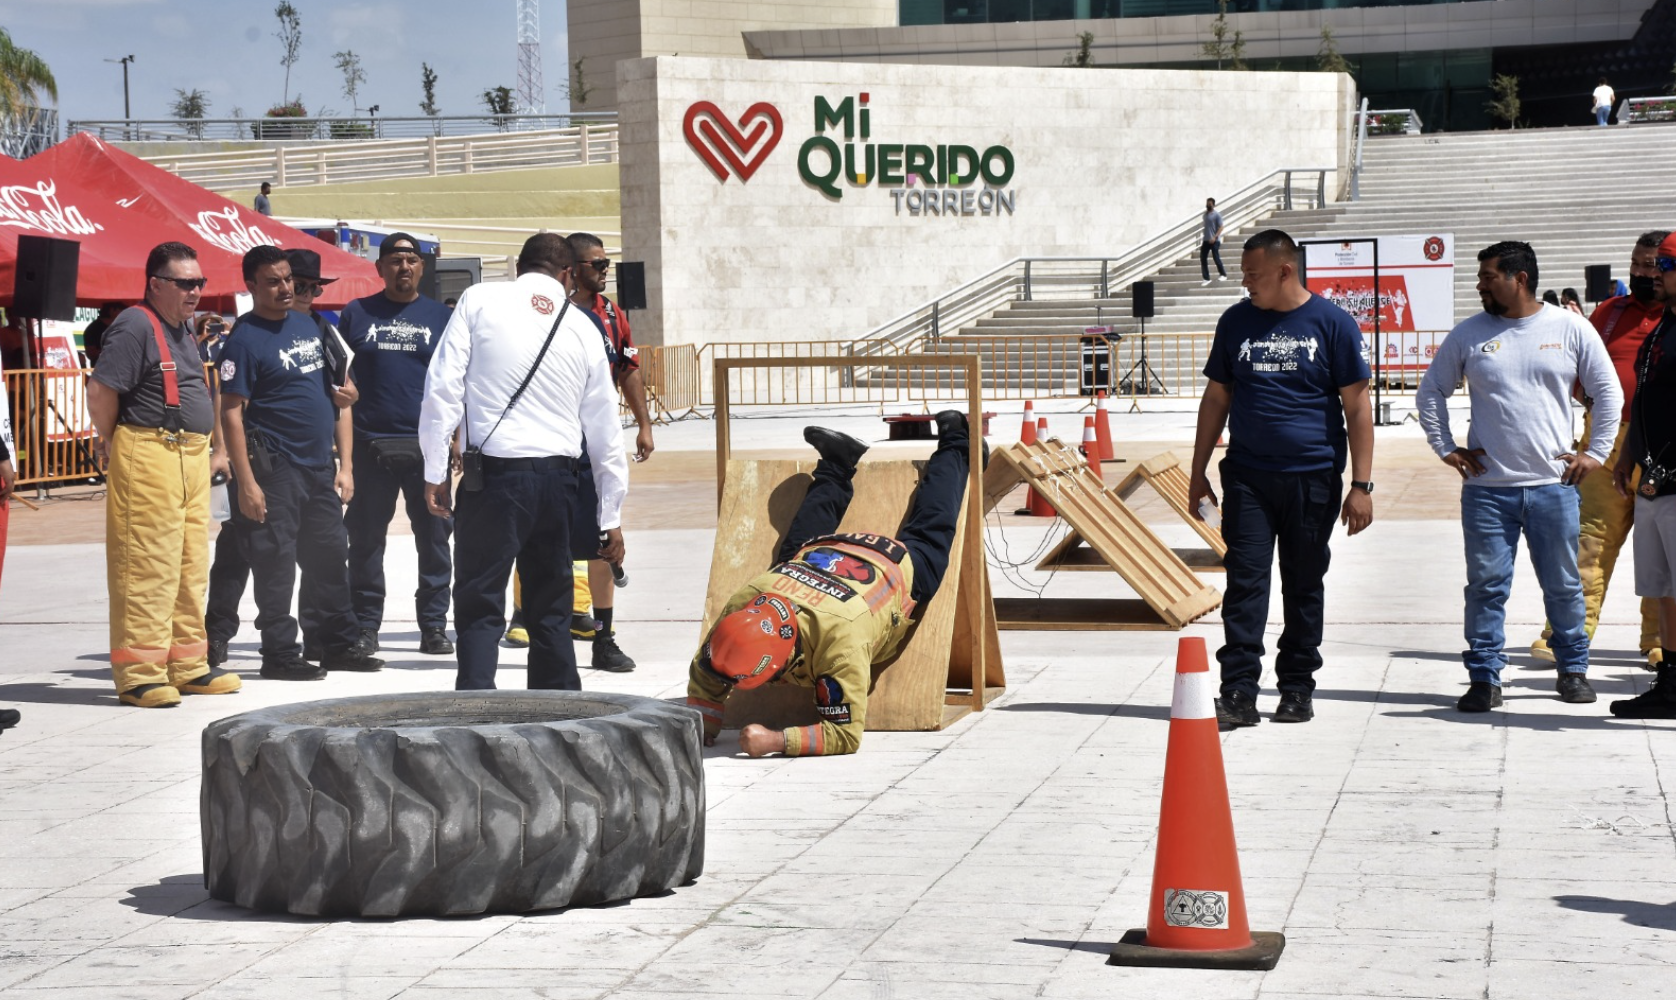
[
  {"x": 1167, "y": 586},
  {"x": 911, "y": 691}
]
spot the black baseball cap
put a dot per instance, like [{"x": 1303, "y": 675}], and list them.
[{"x": 398, "y": 243}]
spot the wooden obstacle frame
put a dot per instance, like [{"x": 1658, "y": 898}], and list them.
[
  {"x": 1170, "y": 595},
  {"x": 950, "y": 663},
  {"x": 1164, "y": 474}
]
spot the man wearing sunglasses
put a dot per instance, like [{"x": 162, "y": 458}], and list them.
[
  {"x": 1651, "y": 443},
  {"x": 157, "y": 435},
  {"x": 393, "y": 335},
  {"x": 1624, "y": 321}
]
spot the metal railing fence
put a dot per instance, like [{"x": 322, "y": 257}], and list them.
[
  {"x": 431, "y": 156},
  {"x": 340, "y": 128}
]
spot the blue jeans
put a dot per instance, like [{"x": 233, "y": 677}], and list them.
[
  {"x": 1492, "y": 518},
  {"x": 1600, "y": 115}
]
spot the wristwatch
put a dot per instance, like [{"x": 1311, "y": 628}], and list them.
[{"x": 1365, "y": 487}]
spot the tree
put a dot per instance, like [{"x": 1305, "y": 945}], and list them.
[
  {"x": 579, "y": 92},
  {"x": 1082, "y": 57},
  {"x": 1506, "y": 105},
  {"x": 1327, "y": 57},
  {"x": 1221, "y": 47},
  {"x": 191, "y": 107},
  {"x": 427, "y": 80},
  {"x": 290, "y": 35},
  {"x": 24, "y": 77},
  {"x": 349, "y": 64},
  {"x": 498, "y": 100}
]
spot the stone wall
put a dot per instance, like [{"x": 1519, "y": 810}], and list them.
[
  {"x": 602, "y": 32},
  {"x": 1101, "y": 161}
]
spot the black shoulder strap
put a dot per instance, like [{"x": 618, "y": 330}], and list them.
[{"x": 525, "y": 384}]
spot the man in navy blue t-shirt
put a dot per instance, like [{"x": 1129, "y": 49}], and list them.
[
  {"x": 281, "y": 427},
  {"x": 393, "y": 334},
  {"x": 1286, "y": 376}
]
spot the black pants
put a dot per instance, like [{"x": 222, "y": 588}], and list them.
[
  {"x": 522, "y": 515},
  {"x": 1262, "y": 512},
  {"x": 929, "y": 531},
  {"x": 1208, "y": 249},
  {"x": 303, "y": 529},
  {"x": 368, "y": 522},
  {"x": 228, "y": 574}
]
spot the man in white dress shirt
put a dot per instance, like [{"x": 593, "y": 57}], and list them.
[{"x": 521, "y": 452}]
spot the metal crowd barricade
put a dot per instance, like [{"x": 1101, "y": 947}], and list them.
[
  {"x": 50, "y": 425},
  {"x": 792, "y": 385},
  {"x": 672, "y": 380}
]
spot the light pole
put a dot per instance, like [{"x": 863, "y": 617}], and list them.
[{"x": 125, "y": 60}]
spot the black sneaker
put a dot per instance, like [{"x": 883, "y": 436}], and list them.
[
  {"x": 1481, "y": 696},
  {"x": 293, "y": 668},
  {"x": 434, "y": 642},
  {"x": 1657, "y": 702},
  {"x": 836, "y": 447},
  {"x": 355, "y": 658},
  {"x": 952, "y": 424},
  {"x": 581, "y": 627},
  {"x": 368, "y": 643},
  {"x": 608, "y": 656},
  {"x": 1574, "y": 689},
  {"x": 1236, "y": 708},
  {"x": 9, "y": 717},
  {"x": 1294, "y": 707},
  {"x": 217, "y": 652}
]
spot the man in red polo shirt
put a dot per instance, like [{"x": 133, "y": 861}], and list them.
[{"x": 1624, "y": 322}]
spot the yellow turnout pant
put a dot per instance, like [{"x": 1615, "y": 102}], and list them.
[
  {"x": 1607, "y": 519},
  {"x": 157, "y": 555}
]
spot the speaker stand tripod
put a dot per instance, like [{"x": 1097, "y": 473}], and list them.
[{"x": 1149, "y": 376}]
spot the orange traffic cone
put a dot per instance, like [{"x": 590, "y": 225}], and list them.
[
  {"x": 1039, "y": 506},
  {"x": 1027, "y": 434},
  {"x": 1197, "y": 916},
  {"x": 1091, "y": 447},
  {"x": 1103, "y": 426}
]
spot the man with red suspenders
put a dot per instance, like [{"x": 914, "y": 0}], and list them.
[
  {"x": 151, "y": 408},
  {"x": 1624, "y": 322}
]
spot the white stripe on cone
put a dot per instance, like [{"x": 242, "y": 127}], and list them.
[{"x": 1195, "y": 696}]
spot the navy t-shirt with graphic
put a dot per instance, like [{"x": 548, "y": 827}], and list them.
[
  {"x": 1285, "y": 370},
  {"x": 279, "y": 366},
  {"x": 393, "y": 343}
]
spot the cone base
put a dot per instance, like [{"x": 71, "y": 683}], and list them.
[{"x": 1263, "y": 955}]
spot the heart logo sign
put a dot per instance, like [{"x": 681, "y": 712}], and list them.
[{"x": 723, "y": 145}]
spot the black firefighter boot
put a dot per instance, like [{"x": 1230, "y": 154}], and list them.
[
  {"x": 836, "y": 447},
  {"x": 1657, "y": 702},
  {"x": 954, "y": 431}
]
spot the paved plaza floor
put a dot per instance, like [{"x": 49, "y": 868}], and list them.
[{"x": 1405, "y": 849}]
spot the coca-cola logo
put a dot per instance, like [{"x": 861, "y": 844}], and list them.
[
  {"x": 227, "y": 230},
  {"x": 24, "y": 207}
]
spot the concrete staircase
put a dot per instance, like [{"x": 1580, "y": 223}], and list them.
[{"x": 1578, "y": 195}]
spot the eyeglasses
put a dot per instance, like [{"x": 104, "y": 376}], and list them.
[
  {"x": 1665, "y": 264},
  {"x": 184, "y": 284},
  {"x": 601, "y": 265},
  {"x": 305, "y": 288}
]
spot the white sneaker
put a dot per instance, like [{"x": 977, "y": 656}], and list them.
[
  {"x": 1222, "y": 277},
  {"x": 1205, "y": 283}
]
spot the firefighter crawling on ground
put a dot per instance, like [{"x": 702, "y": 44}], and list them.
[{"x": 833, "y": 604}]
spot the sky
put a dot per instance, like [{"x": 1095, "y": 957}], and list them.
[{"x": 227, "y": 49}]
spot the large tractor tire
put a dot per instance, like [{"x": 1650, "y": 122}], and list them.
[{"x": 452, "y": 803}]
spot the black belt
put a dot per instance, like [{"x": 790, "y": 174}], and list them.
[{"x": 546, "y": 463}]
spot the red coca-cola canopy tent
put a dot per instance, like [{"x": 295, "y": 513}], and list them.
[{"x": 118, "y": 207}]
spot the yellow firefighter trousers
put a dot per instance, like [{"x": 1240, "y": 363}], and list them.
[
  {"x": 1606, "y": 522},
  {"x": 157, "y": 555}
]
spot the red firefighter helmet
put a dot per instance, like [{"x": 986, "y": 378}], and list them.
[{"x": 750, "y": 647}]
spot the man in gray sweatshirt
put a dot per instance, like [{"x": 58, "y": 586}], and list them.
[{"x": 1521, "y": 359}]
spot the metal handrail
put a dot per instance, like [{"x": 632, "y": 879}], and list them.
[
  {"x": 340, "y": 128},
  {"x": 1639, "y": 110},
  {"x": 1012, "y": 281}
]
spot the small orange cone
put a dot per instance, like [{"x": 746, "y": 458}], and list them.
[
  {"x": 1091, "y": 446},
  {"x": 1103, "y": 426},
  {"x": 1027, "y": 434},
  {"x": 1039, "y": 506},
  {"x": 1197, "y": 916}
]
